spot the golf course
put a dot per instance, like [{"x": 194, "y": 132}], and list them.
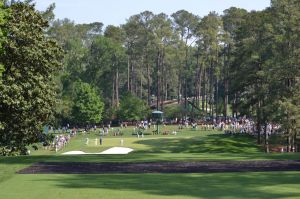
[
  {"x": 188, "y": 145},
  {"x": 143, "y": 99}
]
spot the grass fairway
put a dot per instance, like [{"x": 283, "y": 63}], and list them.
[{"x": 187, "y": 145}]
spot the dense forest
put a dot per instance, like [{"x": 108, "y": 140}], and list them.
[{"x": 57, "y": 72}]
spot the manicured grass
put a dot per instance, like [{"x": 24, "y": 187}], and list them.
[
  {"x": 221, "y": 185},
  {"x": 187, "y": 145}
]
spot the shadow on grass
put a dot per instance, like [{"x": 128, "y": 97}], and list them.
[
  {"x": 23, "y": 161},
  {"x": 217, "y": 143},
  {"x": 222, "y": 185},
  {"x": 27, "y": 160}
]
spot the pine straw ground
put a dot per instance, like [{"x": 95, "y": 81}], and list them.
[{"x": 161, "y": 167}]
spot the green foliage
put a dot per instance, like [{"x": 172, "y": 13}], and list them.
[
  {"x": 48, "y": 14},
  {"x": 174, "y": 111},
  {"x": 286, "y": 60},
  {"x": 102, "y": 54},
  {"x": 27, "y": 95},
  {"x": 3, "y": 16},
  {"x": 106, "y": 57},
  {"x": 76, "y": 40},
  {"x": 132, "y": 108},
  {"x": 88, "y": 107},
  {"x": 116, "y": 34},
  {"x": 265, "y": 67},
  {"x": 185, "y": 23}
]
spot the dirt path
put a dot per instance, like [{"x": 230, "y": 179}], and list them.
[{"x": 160, "y": 167}]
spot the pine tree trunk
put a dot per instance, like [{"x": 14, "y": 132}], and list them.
[
  {"x": 128, "y": 74},
  {"x": 258, "y": 124},
  {"x": 162, "y": 77},
  {"x": 206, "y": 102},
  {"x": 211, "y": 89},
  {"x": 113, "y": 91},
  {"x": 148, "y": 83},
  {"x": 267, "y": 150},
  {"x": 225, "y": 98},
  {"x": 117, "y": 88},
  {"x": 132, "y": 78},
  {"x": 157, "y": 80},
  {"x": 234, "y": 111},
  {"x": 289, "y": 140},
  {"x": 185, "y": 71},
  {"x": 166, "y": 91},
  {"x": 179, "y": 88},
  {"x": 198, "y": 79},
  {"x": 226, "y": 66},
  {"x": 141, "y": 87},
  {"x": 141, "y": 77},
  {"x": 217, "y": 97},
  {"x": 203, "y": 90}
]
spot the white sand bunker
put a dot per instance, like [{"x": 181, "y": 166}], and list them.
[
  {"x": 74, "y": 153},
  {"x": 117, "y": 150},
  {"x": 113, "y": 150}
]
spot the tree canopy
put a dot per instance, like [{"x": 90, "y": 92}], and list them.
[
  {"x": 3, "y": 16},
  {"x": 132, "y": 108},
  {"x": 88, "y": 107},
  {"x": 246, "y": 62},
  {"x": 31, "y": 61}
]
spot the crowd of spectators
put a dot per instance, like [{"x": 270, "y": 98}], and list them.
[
  {"x": 229, "y": 125},
  {"x": 61, "y": 141}
]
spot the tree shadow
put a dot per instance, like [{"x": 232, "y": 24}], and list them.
[
  {"x": 27, "y": 160},
  {"x": 221, "y": 185}
]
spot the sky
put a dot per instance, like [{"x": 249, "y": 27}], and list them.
[{"x": 115, "y": 12}]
